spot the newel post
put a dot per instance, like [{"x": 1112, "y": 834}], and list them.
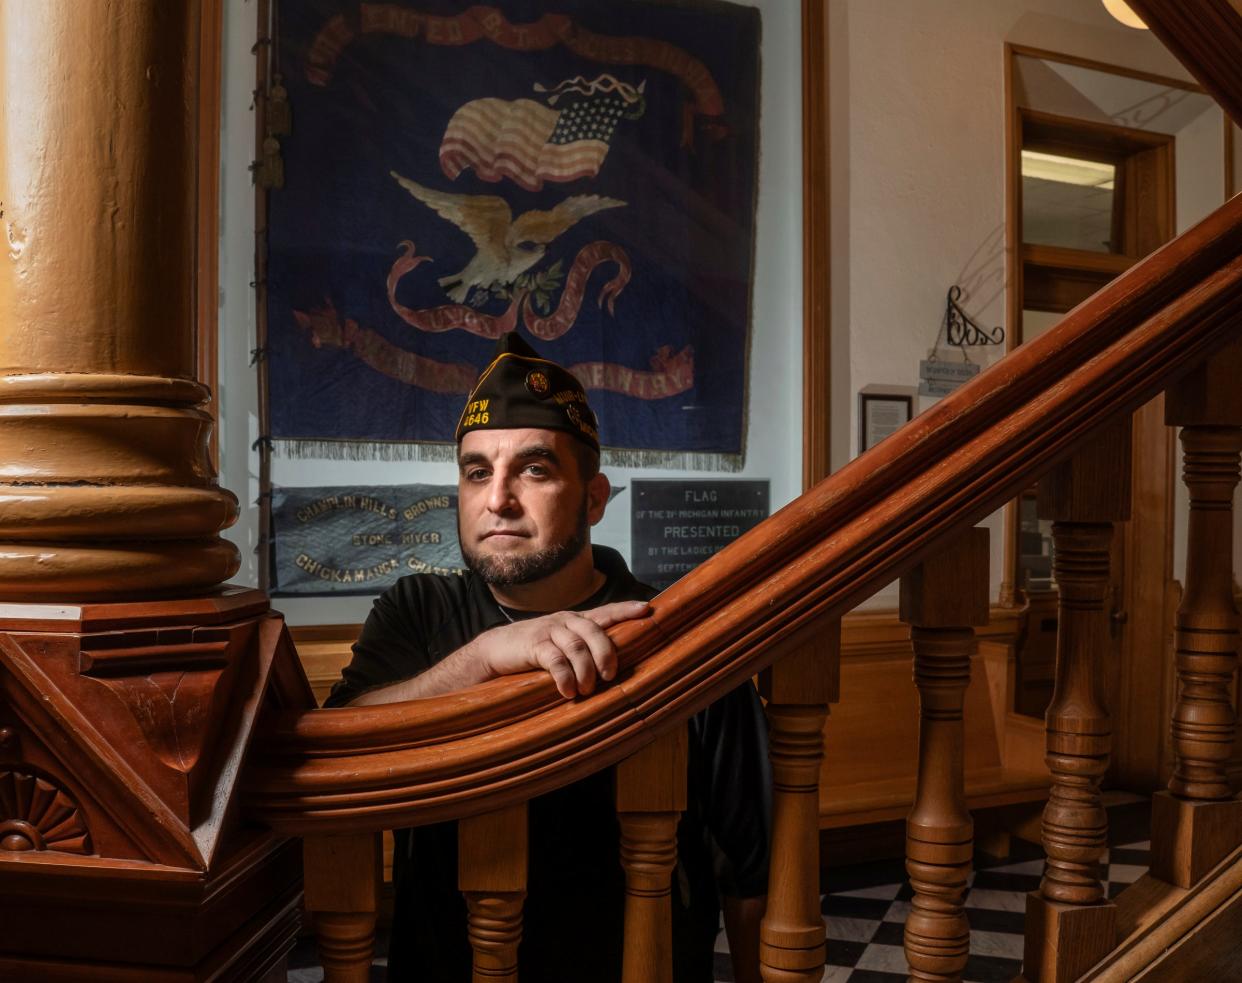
[
  {"x": 942, "y": 599},
  {"x": 651, "y": 796},
  {"x": 798, "y": 688},
  {"x": 1070, "y": 924},
  {"x": 343, "y": 877},
  {"x": 1198, "y": 821}
]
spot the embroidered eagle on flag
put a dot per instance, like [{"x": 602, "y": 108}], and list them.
[{"x": 531, "y": 142}]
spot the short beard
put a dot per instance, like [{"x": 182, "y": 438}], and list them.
[{"x": 514, "y": 571}]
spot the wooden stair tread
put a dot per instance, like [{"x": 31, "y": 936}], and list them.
[
  {"x": 1144, "y": 903},
  {"x": 1156, "y": 920}
]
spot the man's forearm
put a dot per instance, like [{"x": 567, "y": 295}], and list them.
[
  {"x": 571, "y": 646},
  {"x": 456, "y": 671}
]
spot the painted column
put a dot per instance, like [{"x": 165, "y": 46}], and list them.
[{"x": 106, "y": 488}]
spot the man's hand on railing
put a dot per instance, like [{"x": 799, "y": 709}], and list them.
[{"x": 571, "y": 646}]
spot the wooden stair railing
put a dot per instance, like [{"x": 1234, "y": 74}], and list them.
[
  {"x": 651, "y": 796},
  {"x": 342, "y": 888},
  {"x": 1070, "y": 923},
  {"x": 1198, "y": 819},
  {"x": 798, "y": 690},
  {"x": 492, "y": 877},
  {"x": 943, "y": 599},
  {"x": 774, "y": 599}
]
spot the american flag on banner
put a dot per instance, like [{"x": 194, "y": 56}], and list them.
[
  {"x": 582, "y": 171},
  {"x": 529, "y": 142}
]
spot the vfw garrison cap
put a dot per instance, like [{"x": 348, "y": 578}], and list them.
[{"x": 520, "y": 389}]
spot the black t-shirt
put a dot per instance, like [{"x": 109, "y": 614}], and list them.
[{"x": 572, "y": 918}]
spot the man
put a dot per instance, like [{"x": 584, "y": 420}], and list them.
[{"x": 537, "y": 595}]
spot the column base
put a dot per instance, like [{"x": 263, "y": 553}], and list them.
[
  {"x": 108, "y": 920},
  {"x": 123, "y": 728},
  {"x": 1063, "y": 941},
  {"x": 1189, "y": 838}
]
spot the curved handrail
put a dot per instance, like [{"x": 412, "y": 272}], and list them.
[{"x": 486, "y": 747}]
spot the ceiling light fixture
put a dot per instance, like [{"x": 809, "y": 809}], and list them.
[
  {"x": 1068, "y": 170},
  {"x": 1122, "y": 12}
]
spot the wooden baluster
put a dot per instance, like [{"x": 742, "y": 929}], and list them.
[
  {"x": 941, "y": 599},
  {"x": 798, "y": 688},
  {"x": 1197, "y": 821},
  {"x": 491, "y": 875},
  {"x": 342, "y": 882},
  {"x": 651, "y": 796},
  {"x": 1070, "y": 924}
]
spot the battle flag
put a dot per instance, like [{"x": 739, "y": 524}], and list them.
[{"x": 585, "y": 176}]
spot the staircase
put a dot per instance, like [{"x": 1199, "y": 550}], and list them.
[{"x": 1057, "y": 409}]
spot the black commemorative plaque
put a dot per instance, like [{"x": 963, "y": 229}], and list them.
[{"x": 676, "y": 525}]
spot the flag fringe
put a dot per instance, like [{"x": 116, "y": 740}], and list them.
[
  {"x": 380, "y": 450},
  {"x": 364, "y": 450},
  {"x": 671, "y": 460}
]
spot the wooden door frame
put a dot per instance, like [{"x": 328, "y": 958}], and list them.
[
  {"x": 816, "y": 309},
  {"x": 207, "y": 196}
]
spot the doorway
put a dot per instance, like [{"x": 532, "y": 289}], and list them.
[{"x": 1105, "y": 165}]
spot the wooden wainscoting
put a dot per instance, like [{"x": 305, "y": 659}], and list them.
[
  {"x": 324, "y": 650},
  {"x": 871, "y": 736}
]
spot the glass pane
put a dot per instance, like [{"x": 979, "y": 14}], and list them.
[
  {"x": 1067, "y": 201},
  {"x": 1196, "y": 122},
  {"x": 1236, "y": 183},
  {"x": 1035, "y": 323},
  {"x": 1034, "y": 546}
]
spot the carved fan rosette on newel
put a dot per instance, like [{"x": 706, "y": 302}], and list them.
[{"x": 35, "y": 814}]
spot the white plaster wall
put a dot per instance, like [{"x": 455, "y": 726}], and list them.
[
  {"x": 918, "y": 163},
  {"x": 1199, "y": 167},
  {"x": 774, "y": 434},
  {"x": 238, "y": 395}
]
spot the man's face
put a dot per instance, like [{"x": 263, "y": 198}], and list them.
[{"x": 523, "y": 508}]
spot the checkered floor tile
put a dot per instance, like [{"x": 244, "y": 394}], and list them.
[{"x": 864, "y": 916}]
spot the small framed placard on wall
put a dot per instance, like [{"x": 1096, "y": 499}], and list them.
[
  {"x": 676, "y": 525},
  {"x": 881, "y": 411}
]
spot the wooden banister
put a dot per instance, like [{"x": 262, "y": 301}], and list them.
[
  {"x": 942, "y": 599},
  {"x": 1206, "y": 36},
  {"x": 1070, "y": 922},
  {"x": 798, "y": 690},
  {"x": 505, "y": 741},
  {"x": 492, "y": 857},
  {"x": 651, "y": 796},
  {"x": 1198, "y": 820},
  {"x": 342, "y": 884}
]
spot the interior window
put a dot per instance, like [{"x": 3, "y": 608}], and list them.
[{"x": 1069, "y": 201}]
